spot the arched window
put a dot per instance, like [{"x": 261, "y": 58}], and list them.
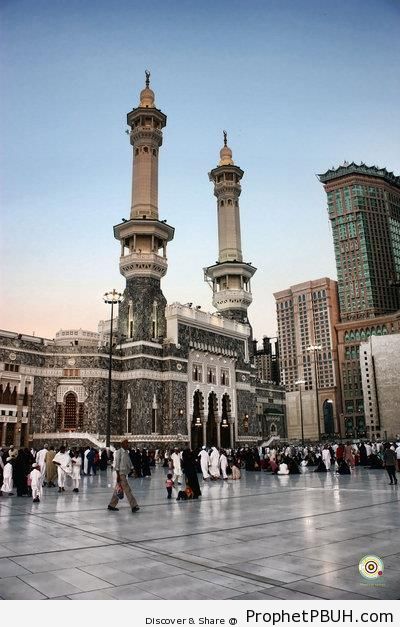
[
  {"x": 154, "y": 322},
  {"x": 130, "y": 319}
]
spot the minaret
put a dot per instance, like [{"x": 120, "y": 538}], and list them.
[
  {"x": 230, "y": 276},
  {"x": 143, "y": 260}
]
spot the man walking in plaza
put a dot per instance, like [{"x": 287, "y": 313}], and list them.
[
  {"x": 204, "y": 462},
  {"x": 41, "y": 460},
  {"x": 64, "y": 467},
  {"x": 123, "y": 466},
  {"x": 389, "y": 460},
  {"x": 177, "y": 461}
]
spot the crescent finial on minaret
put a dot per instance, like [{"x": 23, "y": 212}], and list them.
[
  {"x": 225, "y": 137},
  {"x": 147, "y": 72}
]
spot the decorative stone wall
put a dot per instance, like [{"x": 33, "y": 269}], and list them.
[
  {"x": 246, "y": 404},
  {"x": 217, "y": 342},
  {"x": 143, "y": 292}
]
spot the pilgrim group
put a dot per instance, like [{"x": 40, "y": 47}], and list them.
[{"x": 28, "y": 471}]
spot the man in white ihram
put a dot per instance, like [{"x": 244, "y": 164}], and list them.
[
  {"x": 64, "y": 467},
  {"x": 214, "y": 464},
  {"x": 176, "y": 460},
  {"x": 41, "y": 460},
  {"x": 123, "y": 466},
  {"x": 326, "y": 457},
  {"x": 204, "y": 462}
]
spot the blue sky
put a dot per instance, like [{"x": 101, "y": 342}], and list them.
[{"x": 299, "y": 86}]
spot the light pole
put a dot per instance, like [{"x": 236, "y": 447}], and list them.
[
  {"x": 111, "y": 298},
  {"x": 314, "y": 350},
  {"x": 301, "y": 382}
]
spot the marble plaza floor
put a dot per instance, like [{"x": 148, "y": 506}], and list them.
[{"x": 264, "y": 537}]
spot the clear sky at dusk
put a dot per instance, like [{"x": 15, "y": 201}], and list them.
[{"x": 299, "y": 85}]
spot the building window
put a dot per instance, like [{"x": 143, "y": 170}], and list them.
[
  {"x": 11, "y": 367},
  {"x": 224, "y": 377},
  {"x": 71, "y": 372},
  {"x": 197, "y": 373},
  {"x": 211, "y": 375}
]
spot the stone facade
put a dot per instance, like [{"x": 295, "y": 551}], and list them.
[{"x": 380, "y": 368}]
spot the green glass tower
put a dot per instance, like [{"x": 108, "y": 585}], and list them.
[{"x": 364, "y": 210}]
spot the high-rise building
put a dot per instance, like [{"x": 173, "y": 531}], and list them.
[
  {"x": 364, "y": 209},
  {"x": 380, "y": 374},
  {"x": 307, "y": 314},
  {"x": 266, "y": 360}
]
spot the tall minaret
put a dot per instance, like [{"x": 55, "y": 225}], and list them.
[
  {"x": 230, "y": 276},
  {"x": 143, "y": 260}
]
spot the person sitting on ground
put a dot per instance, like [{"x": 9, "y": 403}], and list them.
[
  {"x": 283, "y": 469},
  {"x": 320, "y": 466},
  {"x": 293, "y": 466},
  {"x": 186, "y": 494},
  {"x": 343, "y": 468},
  {"x": 235, "y": 470}
]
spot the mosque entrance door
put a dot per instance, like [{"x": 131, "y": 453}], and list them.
[
  {"x": 226, "y": 415},
  {"x": 329, "y": 427},
  {"x": 211, "y": 433},
  {"x": 196, "y": 435}
]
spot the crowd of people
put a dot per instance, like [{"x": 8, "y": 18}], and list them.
[{"x": 28, "y": 471}]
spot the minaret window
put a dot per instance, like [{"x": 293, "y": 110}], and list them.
[
  {"x": 130, "y": 319},
  {"x": 145, "y": 149},
  {"x": 154, "y": 329}
]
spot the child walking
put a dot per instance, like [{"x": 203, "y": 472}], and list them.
[
  {"x": 169, "y": 484},
  {"x": 36, "y": 483}
]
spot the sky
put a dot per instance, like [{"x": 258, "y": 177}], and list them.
[{"x": 299, "y": 85}]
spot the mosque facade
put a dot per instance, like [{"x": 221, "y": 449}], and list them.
[{"x": 175, "y": 375}]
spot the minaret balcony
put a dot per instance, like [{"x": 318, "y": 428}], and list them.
[
  {"x": 232, "y": 299},
  {"x": 143, "y": 264}
]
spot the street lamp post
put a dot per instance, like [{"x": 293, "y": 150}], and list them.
[
  {"x": 300, "y": 382},
  {"x": 111, "y": 298},
  {"x": 314, "y": 350}
]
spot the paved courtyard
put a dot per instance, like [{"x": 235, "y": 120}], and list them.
[{"x": 264, "y": 537}]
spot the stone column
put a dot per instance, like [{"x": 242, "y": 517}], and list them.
[
  {"x": 3, "y": 433},
  {"x": 218, "y": 423},
  {"x": 231, "y": 434},
  {"x": 204, "y": 432}
]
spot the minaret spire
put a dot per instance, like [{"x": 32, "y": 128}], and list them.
[
  {"x": 230, "y": 277},
  {"x": 144, "y": 239}
]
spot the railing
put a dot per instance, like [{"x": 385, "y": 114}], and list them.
[{"x": 72, "y": 435}]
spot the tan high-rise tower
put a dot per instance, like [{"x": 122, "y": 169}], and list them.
[
  {"x": 143, "y": 260},
  {"x": 230, "y": 276}
]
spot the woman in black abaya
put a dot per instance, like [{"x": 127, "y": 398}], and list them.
[{"x": 189, "y": 468}]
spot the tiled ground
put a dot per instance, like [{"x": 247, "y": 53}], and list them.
[{"x": 264, "y": 537}]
